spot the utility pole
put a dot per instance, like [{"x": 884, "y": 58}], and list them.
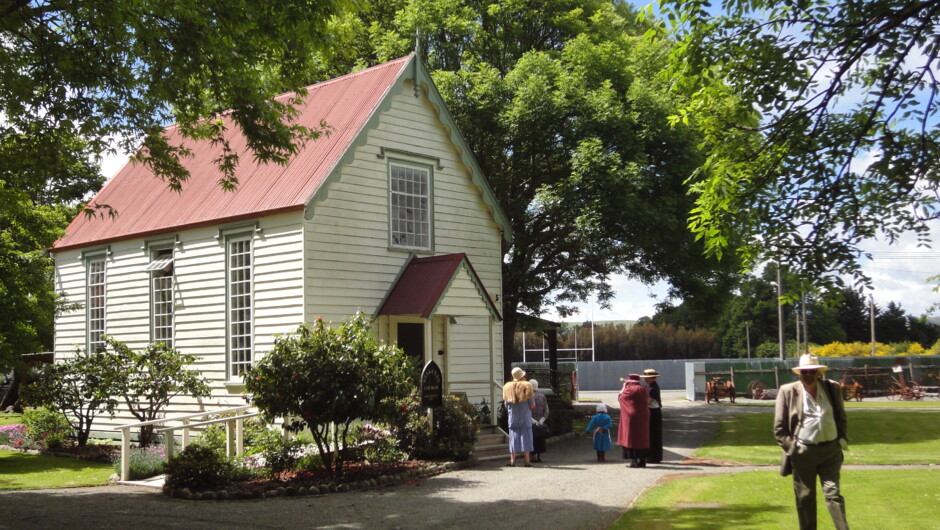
[
  {"x": 747, "y": 332},
  {"x": 805, "y": 326},
  {"x": 783, "y": 353},
  {"x": 871, "y": 314},
  {"x": 796, "y": 316}
]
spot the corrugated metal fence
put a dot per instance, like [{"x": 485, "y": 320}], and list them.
[{"x": 607, "y": 375}]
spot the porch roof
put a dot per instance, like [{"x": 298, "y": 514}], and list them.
[{"x": 424, "y": 282}]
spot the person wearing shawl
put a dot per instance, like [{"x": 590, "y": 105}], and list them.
[
  {"x": 634, "y": 432},
  {"x": 656, "y": 416},
  {"x": 518, "y": 396},
  {"x": 539, "y": 430}
]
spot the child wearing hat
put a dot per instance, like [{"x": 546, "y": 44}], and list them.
[{"x": 600, "y": 425}]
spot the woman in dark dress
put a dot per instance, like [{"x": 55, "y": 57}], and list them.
[{"x": 656, "y": 416}]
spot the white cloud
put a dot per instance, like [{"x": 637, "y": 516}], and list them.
[{"x": 898, "y": 272}]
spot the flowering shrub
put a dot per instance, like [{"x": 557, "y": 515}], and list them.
[
  {"x": 379, "y": 445},
  {"x": 327, "y": 378},
  {"x": 863, "y": 349},
  {"x": 145, "y": 462},
  {"x": 14, "y": 435}
]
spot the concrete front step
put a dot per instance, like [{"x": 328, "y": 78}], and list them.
[{"x": 490, "y": 444}]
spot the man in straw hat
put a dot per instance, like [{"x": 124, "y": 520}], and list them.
[{"x": 810, "y": 426}]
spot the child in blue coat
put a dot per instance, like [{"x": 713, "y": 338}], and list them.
[{"x": 600, "y": 425}]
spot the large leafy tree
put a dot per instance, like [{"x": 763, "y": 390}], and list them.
[
  {"x": 842, "y": 143},
  {"x": 43, "y": 173},
  {"x": 563, "y": 106},
  {"x": 121, "y": 70},
  {"x": 80, "y": 78}
]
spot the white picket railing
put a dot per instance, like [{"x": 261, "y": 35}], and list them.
[{"x": 234, "y": 432}]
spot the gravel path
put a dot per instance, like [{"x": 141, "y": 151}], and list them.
[{"x": 568, "y": 490}]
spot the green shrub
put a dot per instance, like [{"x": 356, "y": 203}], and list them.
[
  {"x": 255, "y": 429},
  {"x": 483, "y": 412},
  {"x": 46, "y": 427},
  {"x": 145, "y": 462},
  {"x": 455, "y": 429},
  {"x": 310, "y": 462},
  {"x": 198, "y": 467}
]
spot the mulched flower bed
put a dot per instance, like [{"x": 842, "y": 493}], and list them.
[
  {"x": 71, "y": 449},
  {"x": 356, "y": 476}
]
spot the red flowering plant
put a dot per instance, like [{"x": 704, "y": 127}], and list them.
[{"x": 325, "y": 379}]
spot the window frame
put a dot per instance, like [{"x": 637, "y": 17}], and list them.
[
  {"x": 234, "y": 368},
  {"x": 156, "y": 252},
  {"x": 428, "y": 170},
  {"x": 90, "y": 297}
]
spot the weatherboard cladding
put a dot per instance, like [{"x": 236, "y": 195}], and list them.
[
  {"x": 423, "y": 283},
  {"x": 146, "y": 206}
]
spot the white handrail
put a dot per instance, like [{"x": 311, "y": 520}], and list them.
[
  {"x": 237, "y": 434},
  {"x": 170, "y": 442}
]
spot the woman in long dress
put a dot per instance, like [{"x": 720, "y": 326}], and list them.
[
  {"x": 518, "y": 396},
  {"x": 656, "y": 416},
  {"x": 634, "y": 431},
  {"x": 539, "y": 416}
]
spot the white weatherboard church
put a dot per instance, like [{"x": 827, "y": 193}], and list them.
[{"x": 388, "y": 215}]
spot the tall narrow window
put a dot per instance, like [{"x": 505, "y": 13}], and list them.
[
  {"x": 161, "y": 295},
  {"x": 95, "y": 302},
  {"x": 239, "y": 306},
  {"x": 410, "y": 212}
]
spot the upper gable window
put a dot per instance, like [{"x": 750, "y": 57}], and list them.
[{"x": 410, "y": 211}]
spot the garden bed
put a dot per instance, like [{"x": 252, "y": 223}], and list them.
[
  {"x": 71, "y": 449},
  {"x": 356, "y": 476}
]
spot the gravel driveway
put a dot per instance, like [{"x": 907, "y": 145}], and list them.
[{"x": 568, "y": 490}]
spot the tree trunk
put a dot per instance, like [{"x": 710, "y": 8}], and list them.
[
  {"x": 509, "y": 332},
  {"x": 13, "y": 393}
]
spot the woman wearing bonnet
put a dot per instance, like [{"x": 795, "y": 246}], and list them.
[
  {"x": 518, "y": 395},
  {"x": 540, "y": 431}
]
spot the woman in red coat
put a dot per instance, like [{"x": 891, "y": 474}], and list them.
[{"x": 634, "y": 433}]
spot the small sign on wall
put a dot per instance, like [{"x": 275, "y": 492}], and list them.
[{"x": 432, "y": 386}]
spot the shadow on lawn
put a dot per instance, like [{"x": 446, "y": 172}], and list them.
[{"x": 701, "y": 516}]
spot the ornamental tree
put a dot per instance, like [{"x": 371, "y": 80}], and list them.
[
  {"x": 325, "y": 378},
  {"x": 149, "y": 379},
  {"x": 82, "y": 387}
]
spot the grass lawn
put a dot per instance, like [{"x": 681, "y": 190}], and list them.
[
  {"x": 874, "y": 499},
  {"x": 923, "y": 404},
  {"x": 876, "y": 437},
  {"x": 10, "y": 419},
  {"x": 26, "y": 471}
]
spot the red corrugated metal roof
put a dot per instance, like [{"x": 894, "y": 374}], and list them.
[
  {"x": 423, "y": 283},
  {"x": 146, "y": 206}
]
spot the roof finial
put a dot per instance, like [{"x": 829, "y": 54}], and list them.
[
  {"x": 418, "y": 42},
  {"x": 417, "y": 58}
]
